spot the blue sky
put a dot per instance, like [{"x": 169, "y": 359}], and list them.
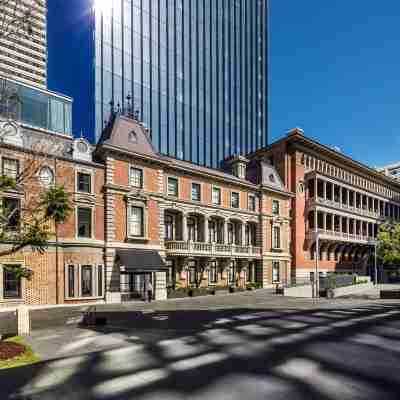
[{"x": 334, "y": 71}]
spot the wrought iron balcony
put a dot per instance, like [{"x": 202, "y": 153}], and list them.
[{"x": 189, "y": 248}]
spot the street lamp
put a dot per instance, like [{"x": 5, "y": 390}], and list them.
[{"x": 316, "y": 261}]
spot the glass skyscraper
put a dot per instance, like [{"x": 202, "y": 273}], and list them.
[{"x": 196, "y": 70}]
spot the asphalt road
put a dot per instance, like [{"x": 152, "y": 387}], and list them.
[{"x": 226, "y": 350}]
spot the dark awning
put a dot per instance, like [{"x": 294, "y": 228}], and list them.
[{"x": 135, "y": 260}]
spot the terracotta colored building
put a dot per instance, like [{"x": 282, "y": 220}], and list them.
[
  {"x": 141, "y": 217},
  {"x": 337, "y": 198}
]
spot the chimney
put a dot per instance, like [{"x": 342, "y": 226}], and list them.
[{"x": 237, "y": 166}]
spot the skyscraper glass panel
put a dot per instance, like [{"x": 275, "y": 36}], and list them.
[{"x": 196, "y": 71}]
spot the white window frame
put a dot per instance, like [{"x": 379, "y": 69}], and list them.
[
  {"x": 275, "y": 201},
  {"x": 143, "y": 206},
  {"x": 131, "y": 167},
  {"x": 87, "y": 172},
  {"x": 201, "y": 191},
  {"x": 22, "y": 283},
  {"x": 252, "y": 196},
  {"x": 78, "y": 281},
  {"x": 238, "y": 193},
  {"x": 167, "y": 186},
  {"x": 92, "y": 208},
  {"x": 11, "y": 158},
  {"x": 220, "y": 195},
  {"x": 273, "y": 237}
]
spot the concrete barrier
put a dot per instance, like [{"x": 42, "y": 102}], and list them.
[
  {"x": 8, "y": 323},
  {"x": 348, "y": 290},
  {"x": 298, "y": 291}
]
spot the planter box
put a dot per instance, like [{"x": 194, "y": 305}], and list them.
[{"x": 390, "y": 294}]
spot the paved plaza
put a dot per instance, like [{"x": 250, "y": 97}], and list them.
[{"x": 242, "y": 346}]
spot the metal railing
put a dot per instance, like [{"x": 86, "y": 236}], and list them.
[
  {"x": 336, "y": 204},
  {"x": 348, "y": 237}
]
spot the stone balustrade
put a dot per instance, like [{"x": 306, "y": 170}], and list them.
[{"x": 190, "y": 248}]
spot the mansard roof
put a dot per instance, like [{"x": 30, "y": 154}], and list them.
[
  {"x": 270, "y": 177},
  {"x": 127, "y": 135}
]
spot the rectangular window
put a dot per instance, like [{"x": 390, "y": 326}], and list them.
[
  {"x": 276, "y": 235},
  {"x": 99, "y": 280},
  {"x": 136, "y": 177},
  {"x": 216, "y": 196},
  {"x": 252, "y": 203},
  {"x": 11, "y": 283},
  {"x": 84, "y": 182},
  {"x": 71, "y": 281},
  {"x": 84, "y": 222},
  {"x": 235, "y": 200},
  {"x": 192, "y": 275},
  {"x": 173, "y": 187},
  {"x": 136, "y": 221},
  {"x": 196, "y": 192},
  {"x": 213, "y": 273},
  {"x": 275, "y": 207},
  {"x": 10, "y": 168},
  {"x": 276, "y": 272},
  {"x": 87, "y": 281},
  {"x": 12, "y": 213}
]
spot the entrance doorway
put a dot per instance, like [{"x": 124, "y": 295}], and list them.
[{"x": 134, "y": 285}]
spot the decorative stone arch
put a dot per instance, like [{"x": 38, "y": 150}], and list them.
[
  {"x": 323, "y": 250},
  {"x": 339, "y": 252},
  {"x": 331, "y": 251}
]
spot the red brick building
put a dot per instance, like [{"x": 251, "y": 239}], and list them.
[
  {"x": 337, "y": 198},
  {"x": 140, "y": 217}
]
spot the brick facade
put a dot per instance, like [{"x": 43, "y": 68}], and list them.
[
  {"x": 338, "y": 199},
  {"x": 240, "y": 246}
]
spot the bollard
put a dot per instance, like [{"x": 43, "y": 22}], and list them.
[{"x": 24, "y": 320}]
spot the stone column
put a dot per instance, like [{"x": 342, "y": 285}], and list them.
[
  {"x": 315, "y": 188},
  {"x": 206, "y": 220},
  {"x": 324, "y": 183},
  {"x": 316, "y": 220},
  {"x": 243, "y": 233},
  {"x": 340, "y": 196},
  {"x": 184, "y": 228},
  {"x": 226, "y": 231},
  {"x": 348, "y": 197},
  {"x": 348, "y": 225},
  {"x": 324, "y": 217},
  {"x": 340, "y": 224}
]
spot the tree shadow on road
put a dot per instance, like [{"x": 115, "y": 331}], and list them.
[{"x": 229, "y": 354}]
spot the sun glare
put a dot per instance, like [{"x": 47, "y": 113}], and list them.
[{"x": 103, "y": 6}]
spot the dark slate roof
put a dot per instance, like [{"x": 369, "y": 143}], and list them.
[
  {"x": 270, "y": 177},
  {"x": 128, "y": 135},
  {"x": 137, "y": 260}
]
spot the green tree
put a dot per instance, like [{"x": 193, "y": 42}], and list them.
[{"x": 388, "y": 246}]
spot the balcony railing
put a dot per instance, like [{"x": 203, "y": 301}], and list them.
[
  {"x": 340, "y": 206},
  {"x": 340, "y": 236},
  {"x": 214, "y": 249}
]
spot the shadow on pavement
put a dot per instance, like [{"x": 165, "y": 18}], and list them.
[{"x": 326, "y": 354}]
